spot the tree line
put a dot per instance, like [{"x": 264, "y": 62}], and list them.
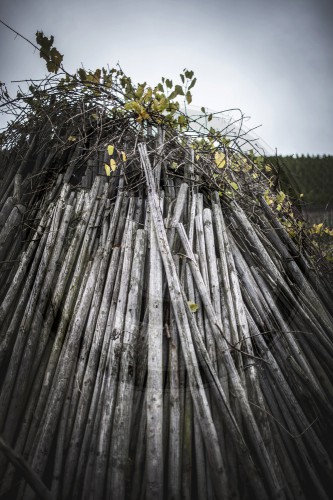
[{"x": 307, "y": 177}]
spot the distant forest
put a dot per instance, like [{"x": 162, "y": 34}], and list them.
[{"x": 311, "y": 176}]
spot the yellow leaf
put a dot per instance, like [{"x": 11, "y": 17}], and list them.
[
  {"x": 291, "y": 233},
  {"x": 143, "y": 114},
  {"x": 301, "y": 195},
  {"x": 281, "y": 197},
  {"x": 278, "y": 207},
  {"x": 123, "y": 155},
  {"x": 193, "y": 306},
  {"x": 219, "y": 159},
  {"x": 197, "y": 157},
  {"x": 254, "y": 175},
  {"x": 316, "y": 228},
  {"x": 110, "y": 150},
  {"x": 107, "y": 169},
  {"x": 113, "y": 165},
  {"x": 268, "y": 168},
  {"x": 268, "y": 199},
  {"x": 234, "y": 185},
  {"x": 72, "y": 138}
]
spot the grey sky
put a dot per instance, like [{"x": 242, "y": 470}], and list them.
[{"x": 272, "y": 59}]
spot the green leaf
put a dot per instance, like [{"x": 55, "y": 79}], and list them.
[
  {"x": 51, "y": 67},
  {"x": 168, "y": 83},
  {"x": 56, "y": 59},
  {"x": 45, "y": 44},
  {"x": 133, "y": 106},
  {"x": 93, "y": 77},
  {"x": 179, "y": 90},
  {"x": 188, "y": 97},
  {"x": 148, "y": 95},
  {"x": 189, "y": 74},
  {"x": 162, "y": 105},
  {"x": 192, "y": 84},
  {"x": 82, "y": 74},
  {"x": 182, "y": 120},
  {"x": 50, "y": 54},
  {"x": 203, "y": 110},
  {"x": 193, "y": 306},
  {"x": 182, "y": 77},
  {"x": 140, "y": 90},
  {"x": 210, "y": 117}
]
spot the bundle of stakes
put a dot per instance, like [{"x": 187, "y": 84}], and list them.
[{"x": 165, "y": 323}]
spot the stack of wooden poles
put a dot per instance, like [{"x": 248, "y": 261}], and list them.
[{"x": 159, "y": 344}]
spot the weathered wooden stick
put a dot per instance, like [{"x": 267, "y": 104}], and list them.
[
  {"x": 139, "y": 479},
  {"x": 177, "y": 213},
  {"x": 61, "y": 442},
  {"x": 10, "y": 228},
  {"x": 154, "y": 449},
  {"x": 22, "y": 269},
  {"x": 202, "y": 262},
  {"x": 218, "y": 222},
  {"x": 174, "y": 451},
  {"x": 119, "y": 453},
  {"x": 30, "y": 476},
  {"x": 187, "y": 451}
]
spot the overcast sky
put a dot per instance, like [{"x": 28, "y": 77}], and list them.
[{"x": 271, "y": 58}]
